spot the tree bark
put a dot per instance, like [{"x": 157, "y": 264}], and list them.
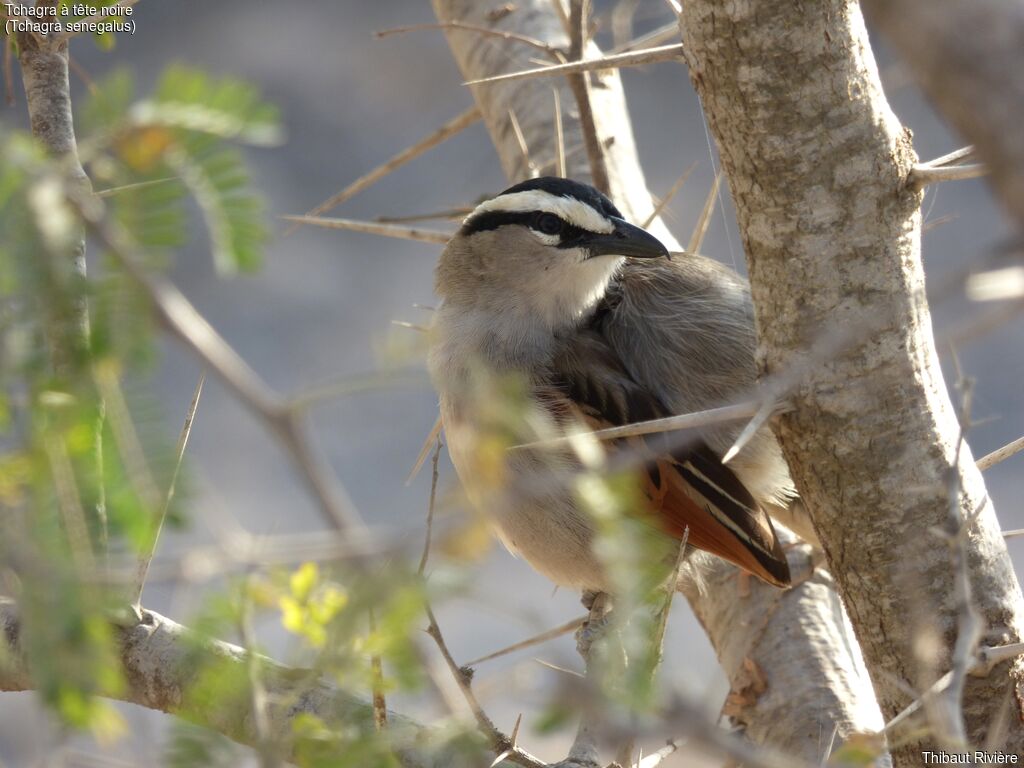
[
  {"x": 44, "y": 72},
  {"x": 968, "y": 57},
  {"x": 792, "y": 663},
  {"x": 818, "y": 164},
  {"x": 161, "y": 660}
]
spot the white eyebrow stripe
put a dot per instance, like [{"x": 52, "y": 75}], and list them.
[{"x": 569, "y": 209}]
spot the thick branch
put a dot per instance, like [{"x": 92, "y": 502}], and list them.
[
  {"x": 44, "y": 73},
  {"x": 818, "y": 167},
  {"x": 160, "y": 660}
]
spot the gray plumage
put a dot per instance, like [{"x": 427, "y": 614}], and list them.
[{"x": 591, "y": 334}]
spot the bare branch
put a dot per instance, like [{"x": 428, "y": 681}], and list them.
[
  {"x": 442, "y": 134},
  {"x": 186, "y": 430},
  {"x": 651, "y": 39},
  {"x": 923, "y": 175},
  {"x": 424, "y": 450},
  {"x": 1000, "y": 455},
  {"x": 540, "y": 45},
  {"x": 451, "y": 213},
  {"x": 543, "y": 637},
  {"x": 663, "y": 203},
  {"x": 500, "y": 743},
  {"x": 630, "y": 59},
  {"x": 559, "y": 135},
  {"x": 183, "y": 321},
  {"x": 968, "y": 59},
  {"x": 374, "y": 228},
  {"x": 768, "y": 407},
  {"x": 161, "y": 659},
  {"x": 579, "y": 83},
  {"x": 704, "y": 221},
  {"x": 726, "y": 413},
  {"x": 430, "y": 512}
]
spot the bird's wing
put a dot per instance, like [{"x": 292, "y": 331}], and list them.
[{"x": 688, "y": 487}]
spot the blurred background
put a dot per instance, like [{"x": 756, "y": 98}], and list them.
[{"x": 323, "y": 308}]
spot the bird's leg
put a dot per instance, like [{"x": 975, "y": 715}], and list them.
[
  {"x": 600, "y": 606},
  {"x": 584, "y": 752}
]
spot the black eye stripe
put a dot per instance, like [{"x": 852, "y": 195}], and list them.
[{"x": 489, "y": 220}]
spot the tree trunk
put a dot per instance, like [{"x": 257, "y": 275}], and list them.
[
  {"x": 818, "y": 165},
  {"x": 792, "y": 663}
]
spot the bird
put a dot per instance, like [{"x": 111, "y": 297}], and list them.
[{"x": 550, "y": 296}]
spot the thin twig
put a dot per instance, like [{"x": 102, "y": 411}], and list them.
[
  {"x": 630, "y": 59},
  {"x": 69, "y": 500},
  {"x": 521, "y": 140},
  {"x": 726, "y": 413},
  {"x": 373, "y": 228},
  {"x": 543, "y": 637},
  {"x": 424, "y": 450},
  {"x": 451, "y": 213},
  {"x": 923, "y": 175},
  {"x": 663, "y": 203},
  {"x": 269, "y": 757},
  {"x": 500, "y": 743},
  {"x": 82, "y": 75},
  {"x": 533, "y": 42},
  {"x": 701, "y": 228},
  {"x": 653, "y": 38},
  {"x": 579, "y": 84},
  {"x": 1000, "y": 455},
  {"x": 563, "y": 17},
  {"x": 380, "y": 706},
  {"x": 956, "y": 156},
  {"x": 430, "y": 512},
  {"x": 763, "y": 414},
  {"x": 186, "y": 429},
  {"x": 445, "y": 132},
  {"x": 352, "y": 385},
  {"x": 657, "y": 758},
  {"x": 126, "y": 438},
  {"x": 985, "y": 659},
  {"x": 564, "y": 670},
  {"x": 937, "y": 222},
  {"x": 111, "y": 191},
  {"x": 559, "y": 134},
  {"x": 183, "y": 321}
]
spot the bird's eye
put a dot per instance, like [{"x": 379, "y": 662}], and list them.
[{"x": 549, "y": 224}]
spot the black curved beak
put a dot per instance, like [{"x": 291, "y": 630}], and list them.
[{"x": 626, "y": 240}]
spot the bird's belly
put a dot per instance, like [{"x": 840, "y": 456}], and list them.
[{"x": 545, "y": 528}]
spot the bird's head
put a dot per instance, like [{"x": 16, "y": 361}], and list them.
[{"x": 546, "y": 247}]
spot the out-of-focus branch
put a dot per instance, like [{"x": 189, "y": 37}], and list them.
[
  {"x": 183, "y": 321},
  {"x": 160, "y": 660},
  {"x": 374, "y": 228},
  {"x": 639, "y": 58},
  {"x": 452, "y": 128},
  {"x": 579, "y": 84},
  {"x": 968, "y": 57}
]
